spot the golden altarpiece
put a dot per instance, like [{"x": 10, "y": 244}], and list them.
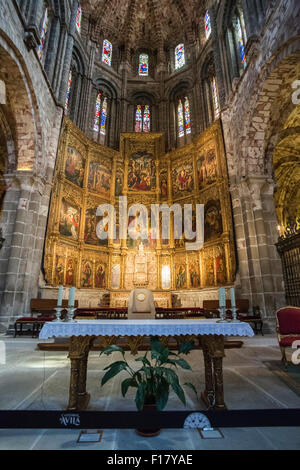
[{"x": 88, "y": 174}]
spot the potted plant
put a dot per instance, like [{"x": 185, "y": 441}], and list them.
[{"x": 154, "y": 379}]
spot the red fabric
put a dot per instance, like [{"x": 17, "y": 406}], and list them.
[
  {"x": 45, "y": 319},
  {"x": 288, "y": 342},
  {"x": 289, "y": 320},
  {"x": 27, "y": 319}
]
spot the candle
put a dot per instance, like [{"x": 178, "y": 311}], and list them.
[
  {"x": 60, "y": 296},
  {"x": 72, "y": 297},
  {"x": 222, "y": 297},
  {"x": 232, "y": 294}
]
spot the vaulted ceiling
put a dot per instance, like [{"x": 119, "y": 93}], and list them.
[{"x": 141, "y": 23}]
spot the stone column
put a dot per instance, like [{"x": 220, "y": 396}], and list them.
[
  {"x": 52, "y": 51},
  {"x": 68, "y": 55},
  {"x": 217, "y": 57},
  {"x": 255, "y": 223},
  {"x": 27, "y": 241}
]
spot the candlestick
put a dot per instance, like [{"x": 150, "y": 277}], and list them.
[
  {"x": 60, "y": 296},
  {"x": 222, "y": 297},
  {"x": 232, "y": 294},
  {"x": 72, "y": 297}
]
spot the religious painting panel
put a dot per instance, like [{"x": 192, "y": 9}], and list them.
[
  {"x": 163, "y": 181},
  {"x": 100, "y": 276},
  {"x": 75, "y": 167},
  {"x": 87, "y": 274},
  {"x": 221, "y": 271},
  {"x": 142, "y": 172},
  {"x": 213, "y": 224},
  {"x": 183, "y": 179},
  {"x": 194, "y": 273},
  {"x": 91, "y": 222},
  {"x": 180, "y": 276},
  {"x": 71, "y": 272},
  {"x": 207, "y": 169},
  {"x": 119, "y": 183},
  {"x": 209, "y": 271},
  {"x": 69, "y": 223},
  {"x": 59, "y": 271},
  {"x": 99, "y": 179}
]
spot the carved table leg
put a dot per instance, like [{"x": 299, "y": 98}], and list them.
[
  {"x": 213, "y": 350},
  {"x": 208, "y": 395},
  {"x": 83, "y": 396},
  {"x": 219, "y": 387},
  {"x": 78, "y": 354}
]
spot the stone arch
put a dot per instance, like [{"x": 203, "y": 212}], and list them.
[
  {"x": 22, "y": 103},
  {"x": 268, "y": 106}
]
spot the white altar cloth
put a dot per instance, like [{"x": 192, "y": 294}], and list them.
[{"x": 143, "y": 327}]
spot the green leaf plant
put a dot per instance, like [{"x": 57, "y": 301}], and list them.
[{"x": 156, "y": 375}]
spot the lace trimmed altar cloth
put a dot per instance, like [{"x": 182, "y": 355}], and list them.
[{"x": 144, "y": 328}]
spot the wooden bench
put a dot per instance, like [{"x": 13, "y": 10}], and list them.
[
  {"x": 42, "y": 311},
  {"x": 101, "y": 313}
]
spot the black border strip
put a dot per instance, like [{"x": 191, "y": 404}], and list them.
[{"x": 132, "y": 419}]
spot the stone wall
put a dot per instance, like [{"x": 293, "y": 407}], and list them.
[{"x": 34, "y": 120}]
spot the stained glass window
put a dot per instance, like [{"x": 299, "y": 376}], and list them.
[
  {"x": 68, "y": 91},
  {"x": 146, "y": 119},
  {"x": 103, "y": 117},
  {"x": 241, "y": 42},
  {"x": 215, "y": 98},
  {"x": 207, "y": 25},
  {"x": 179, "y": 56},
  {"x": 144, "y": 65},
  {"x": 78, "y": 19},
  {"x": 107, "y": 52},
  {"x": 97, "y": 113},
  {"x": 43, "y": 36},
  {"x": 180, "y": 119},
  {"x": 187, "y": 115},
  {"x": 138, "y": 119}
]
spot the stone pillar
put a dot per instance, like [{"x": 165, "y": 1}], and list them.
[
  {"x": 217, "y": 58},
  {"x": 52, "y": 51},
  {"x": 27, "y": 241},
  {"x": 255, "y": 223},
  {"x": 68, "y": 55}
]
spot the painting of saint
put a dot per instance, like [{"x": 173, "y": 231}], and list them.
[
  {"x": 201, "y": 169},
  {"x": 180, "y": 276},
  {"x": 100, "y": 277},
  {"x": 119, "y": 184},
  {"x": 99, "y": 179},
  {"x": 91, "y": 222},
  {"x": 87, "y": 274},
  {"x": 210, "y": 272},
  {"x": 211, "y": 167},
  {"x": 70, "y": 272},
  {"x": 69, "y": 222},
  {"x": 164, "y": 184},
  {"x": 221, "y": 270},
  {"x": 75, "y": 165},
  {"x": 213, "y": 225},
  {"x": 142, "y": 172},
  {"x": 59, "y": 271},
  {"x": 182, "y": 179},
  {"x": 207, "y": 169},
  {"x": 194, "y": 275}
]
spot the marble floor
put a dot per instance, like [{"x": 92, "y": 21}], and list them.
[{"x": 34, "y": 380}]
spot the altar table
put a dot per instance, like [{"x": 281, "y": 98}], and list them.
[{"x": 82, "y": 333}]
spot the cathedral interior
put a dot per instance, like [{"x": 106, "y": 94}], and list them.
[{"x": 164, "y": 102}]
